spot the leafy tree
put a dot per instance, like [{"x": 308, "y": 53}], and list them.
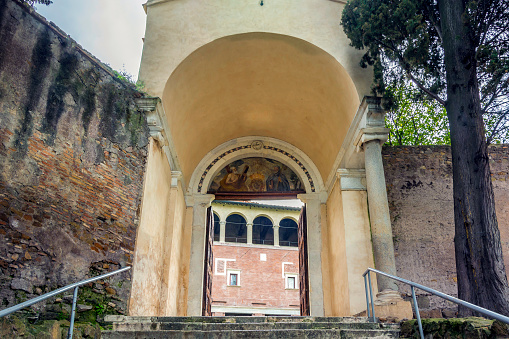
[
  {"x": 415, "y": 122},
  {"x": 457, "y": 53}
]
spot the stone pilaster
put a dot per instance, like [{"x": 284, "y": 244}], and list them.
[
  {"x": 200, "y": 203},
  {"x": 314, "y": 203}
]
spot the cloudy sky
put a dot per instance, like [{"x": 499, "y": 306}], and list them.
[{"x": 112, "y": 30}]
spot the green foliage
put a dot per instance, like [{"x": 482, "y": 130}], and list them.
[
  {"x": 99, "y": 309},
  {"x": 416, "y": 122},
  {"x": 129, "y": 78},
  {"x": 403, "y": 42}
]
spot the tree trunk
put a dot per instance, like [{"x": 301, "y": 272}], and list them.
[{"x": 480, "y": 267}]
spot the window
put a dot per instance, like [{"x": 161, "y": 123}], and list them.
[
  {"x": 217, "y": 227},
  {"x": 233, "y": 278},
  {"x": 291, "y": 282},
  {"x": 288, "y": 233},
  {"x": 263, "y": 232},
  {"x": 235, "y": 229}
]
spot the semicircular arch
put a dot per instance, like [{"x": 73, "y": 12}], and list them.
[
  {"x": 236, "y": 213},
  {"x": 279, "y": 87},
  {"x": 254, "y": 146}
]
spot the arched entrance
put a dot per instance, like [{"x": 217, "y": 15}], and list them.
[
  {"x": 253, "y": 151},
  {"x": 254, "y": 95}
]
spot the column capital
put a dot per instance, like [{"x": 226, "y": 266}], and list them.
[
  {"x": 352, "y": 179},
  {"x": 176, "y": 176},
  {"x": 372, "y": 124},
  {"x": 365, "y": 135},
  {"x": 222, "y": 222},
  {"x": 199, "y": 199},
  {"x": 310, "y": 197}
]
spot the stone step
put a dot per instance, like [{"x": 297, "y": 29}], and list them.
[
  {"x": 237, "y": 319},
  {"x": 204, "y": 326},
  {"x": 247, "y": 327},
  {"x": 266, "y": 334}
]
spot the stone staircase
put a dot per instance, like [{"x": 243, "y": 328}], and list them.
[{"x": 247, "y": 327}]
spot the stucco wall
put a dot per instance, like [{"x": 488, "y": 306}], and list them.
[
  {"x": 419, "y": 187},
  {"x": 72, "y": 157},
  {"x": 337, "y": 254},
  {"x": 151, "y": 239}
]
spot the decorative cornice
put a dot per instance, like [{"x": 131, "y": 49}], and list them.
[
  {"x": 352, "y": 179},
  {"x": 148, "y": 105}
]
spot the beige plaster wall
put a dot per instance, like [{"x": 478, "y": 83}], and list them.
[
  {"x": 170, "y": 289},
  {"x": 185, "y": 259},
  {"x": 326, "y": 278},
  {"x": 275, "y": 81},
  {"x": 339, "y": 291},
  {"x": 175, "y": 29},
  {"x": 148, "y": 258},
  {"x": 202, "y": 59},
  {"x": 359, "y": 252}
]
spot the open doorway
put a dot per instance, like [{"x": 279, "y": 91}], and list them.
[
  {"x": 256, "y": 254},
  {"x": 257, "y": 263}
]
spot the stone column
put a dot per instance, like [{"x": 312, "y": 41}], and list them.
[
  {"x": 200, "y": 203},
  {"x": 276, "y": 235},
  {"x": 370, "y": 136},
  {"x": 249, "y": 232},
  {"x": 222, "y": 231},
  {"x": 370, "y": 139},
  {"x": 381, "y": 230}
]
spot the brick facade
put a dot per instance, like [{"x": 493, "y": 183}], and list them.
[{"x": 262, "y": 283}]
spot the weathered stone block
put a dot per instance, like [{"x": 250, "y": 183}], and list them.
[{"x": 21, "y": 284}]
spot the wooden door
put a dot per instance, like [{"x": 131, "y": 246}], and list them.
[
  {"x": 303, "y": 264},
  {"x": 209, "y": 260}
]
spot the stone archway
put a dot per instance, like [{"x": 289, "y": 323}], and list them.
[
  {"x": 200, "y": 200},
  {"x": 304, "y": 106}
]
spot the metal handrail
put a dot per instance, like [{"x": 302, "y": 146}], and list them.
[
  {"x": 413, "y": 285},
  {"x": 45, "y": 296}
]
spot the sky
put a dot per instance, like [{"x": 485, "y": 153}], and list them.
[{"x": 111, "y": 30}]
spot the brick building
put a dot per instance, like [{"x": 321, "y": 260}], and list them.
[{"x": 256, "y": 259}]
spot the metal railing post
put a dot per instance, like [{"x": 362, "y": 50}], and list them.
[
  {"x": 368, "y": 313},
  {"x": 417, "y": 315},
  {"x": 74, "y": 286},
  {"x": 413, "y": 285},
  {"x": 371, "y": 297},
  {"x": 73, "y": 312}
]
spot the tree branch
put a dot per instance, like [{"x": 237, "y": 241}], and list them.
[{"x": 424, "y": 89}]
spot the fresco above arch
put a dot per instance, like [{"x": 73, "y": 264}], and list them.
[{"x": 256, "y": 175}]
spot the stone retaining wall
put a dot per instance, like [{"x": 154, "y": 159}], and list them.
[
  {"x": 419, "y": 187},
  {"x": 72, "y": 158}
]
